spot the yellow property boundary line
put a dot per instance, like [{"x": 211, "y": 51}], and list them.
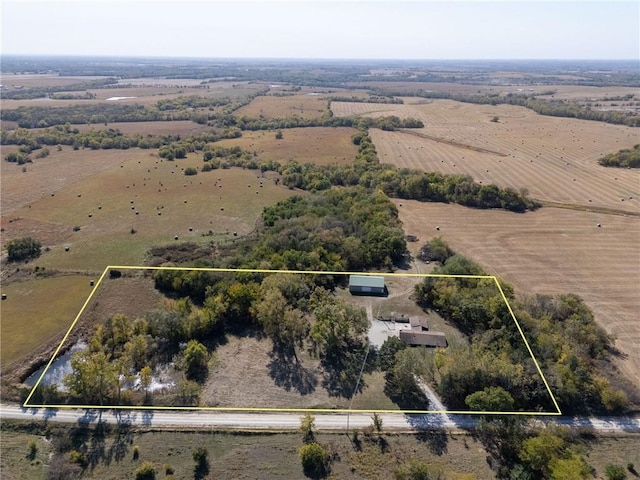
[{"x": 26, "y": 403}]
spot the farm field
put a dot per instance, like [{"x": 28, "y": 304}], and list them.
[
  {"x": 550, "y": 251},
  {"x": 37, "y": 310},
  {"x": 555, "y": 159},
  {"x": 305, "y": 105},
  {"x": 168, "y": 203},
  {"x": 319, "y": 145}
]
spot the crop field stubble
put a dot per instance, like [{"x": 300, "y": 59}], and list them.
[
  {"x": 550, "y": 251},
  {"x": 318, "y": 145},
  {"x": 305, "y": 105}
]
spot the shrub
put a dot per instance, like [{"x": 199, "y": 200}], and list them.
[
  {"x": 315, "y": 460},
  {"x": 33, "y": 449},
  {"x": 23, "y": 249},
  {"x": 146, "y": 471},
  {"x": 136, "y": 452},
  {"x": 615, "y": 472},
  {"x": 190, "y": 171}
]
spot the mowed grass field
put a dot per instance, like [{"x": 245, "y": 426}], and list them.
[
  {"x": 319, "y": 145},
  {"x": 555, "y": 159},
  {"x": 167, "y": 202},
  {"x": 550, "y": 251},
  {"x": 36, "y": 310},
  {"x": 306, "y": 105}
]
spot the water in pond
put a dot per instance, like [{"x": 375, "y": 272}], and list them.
[{"x": 60, "y": 367}]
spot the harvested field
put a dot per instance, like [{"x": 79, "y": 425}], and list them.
[
  {"x": 555, "y": 159},
  {"x": 36, "y": 310},
  {"x": 59, "y": 170},
  {"x": 319, "y": 145},
  {"x": 550, "y": 251},
  {"x": 211, "y": 205},
  {"x": 306, "y": 105}
]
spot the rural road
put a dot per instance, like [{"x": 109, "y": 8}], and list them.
[{"x": 285, "y": 421}]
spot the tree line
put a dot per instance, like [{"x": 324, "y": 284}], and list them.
[
  {"x": 568, "y": 344},
  {"x": 625, "y": 158},
  {"x": 554, "y": 108}
]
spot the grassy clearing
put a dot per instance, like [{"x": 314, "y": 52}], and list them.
[
  {"x": 236, "y": 456},
  {"x": 319, "y": 145},
  {"x": 306, "y": 105},
  {"x": 46, "y": 305},
  {"x": 168, "y": 203}
]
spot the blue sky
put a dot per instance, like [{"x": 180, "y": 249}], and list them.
[{"x": 419, "y": 29}]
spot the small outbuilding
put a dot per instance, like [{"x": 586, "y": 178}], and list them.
[
  {"x": 419, "y": 324},
  {"x": 367, "y": 285},
  {"x": 424, "y": 338}
]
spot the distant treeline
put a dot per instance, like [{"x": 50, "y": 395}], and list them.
[
  {"x": 368, "y": 99},
  {"x": 30, "y": 93},
  {"x": 554, "y": 108},
  {"x": 625, "y": 158}
]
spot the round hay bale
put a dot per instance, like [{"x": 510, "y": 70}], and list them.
[
  {"x": 175, "y": 237},
  {"x": 92, "y": 283},
  {"x": 66, "y": 249},
  {"x": 4, "y": 296}
]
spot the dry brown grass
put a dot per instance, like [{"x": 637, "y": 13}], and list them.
[
  {"x": 306, "y": 105},
  {"x": 320, "y": 145},
  {"x": 36, "y": 310},
  {"x": 550, "y": 251},
  {"x": 184, "y": 128}
]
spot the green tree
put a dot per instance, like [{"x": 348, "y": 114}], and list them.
[
  {"x": 23, "y": 249},
  {"x": 491, "y": 399},
  {"x": 539, "y": 451},
  {"x": 336, "y": 324},
  {"x": 388, "y": 350},
  {"x": 315, "y": 460},
  {"x": 93, "y": 376},
  {"x": 195, "y": 360},
  {"x": 573, "y": 467}
]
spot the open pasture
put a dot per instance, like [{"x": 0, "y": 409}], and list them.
[
  {"x": 209, "y": 205},
  {"x": 37, "y": 310},
  {"x": 184, "y": 128},
  {"x": 305, "y": 105},
  {"x": 550, "y": 251},
  {"x": 555, "y": 159},
  {"x": 319, "y": 145}
]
